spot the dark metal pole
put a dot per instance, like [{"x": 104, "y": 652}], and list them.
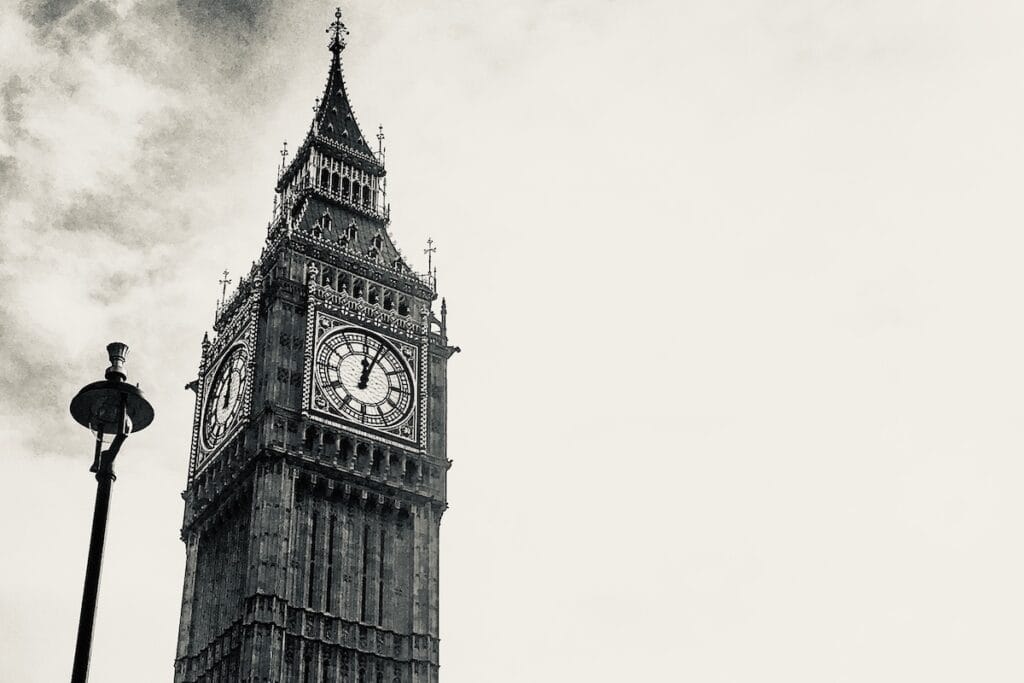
[
  {"x": 108, "y": 408},
  {"x": 104, "y": 478}
]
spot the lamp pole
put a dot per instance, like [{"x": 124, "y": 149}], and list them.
[{"x": 111, "y": 409}]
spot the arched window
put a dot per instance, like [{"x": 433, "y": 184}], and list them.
[
  {"x": 322, "y": 225},
  {"x": 366, "y": 194},
  {"x": 374, "y": 296},
  {"x": 357, "y": 289},
  {"x": 307, "y": 668},
  {"x": 355, "y": 191},
  {"x": 403, "y": 306},
  {"x": 343, "y": 283},
  {"x": 349, "y": 234},
  {"x": 310, "y": 439},
  {"x": 389, "y": 301},
  {"x": 335, "y": 182},
  {"x": 325, "y": 177},
  {"x": 345, "y": 450},
  {"x": 345, "y": 187},
  {"x": 363, "y": 457},
  {"x": 377, "y": 243}
]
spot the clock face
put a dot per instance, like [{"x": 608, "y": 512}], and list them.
[
  {"x": 224, "y": 397},
  {"x": 364, "y": 378}
]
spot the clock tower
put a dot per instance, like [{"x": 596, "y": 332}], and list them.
[{"x": 316, "y": 479}]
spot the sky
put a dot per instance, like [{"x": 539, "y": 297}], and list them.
[{"x": 736, "y": 285}]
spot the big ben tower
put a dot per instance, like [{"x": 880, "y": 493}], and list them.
[{"x": 318, "y": 462}]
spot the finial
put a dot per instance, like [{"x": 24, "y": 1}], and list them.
[
  {"x": 337, "y": 43},
  {"x": 284, "y": 155},
  {"x": 224, "y": 282},
  {"x": 380, "y": 140},
  {"x": 116, "y": 351},
  {"x": 429, "y": 251}
]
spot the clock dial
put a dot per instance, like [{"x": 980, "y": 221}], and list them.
[
  {"x": 364, "y": 378},
  {"x": 224, "y": 397}
]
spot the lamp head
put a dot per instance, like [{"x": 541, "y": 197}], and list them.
[{"x": 112, "y": 406}]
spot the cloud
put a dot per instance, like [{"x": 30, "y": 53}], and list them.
[
  {"x": 114, "y": 119},
  {"x": 48, "y": 12}
]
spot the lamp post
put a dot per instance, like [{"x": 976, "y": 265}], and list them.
[{"x": 111, "y": 409}]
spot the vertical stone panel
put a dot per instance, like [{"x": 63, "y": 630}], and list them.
[{"x": 188, "y": 596}]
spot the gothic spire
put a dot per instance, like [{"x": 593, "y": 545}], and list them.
[{"x": 334, "y": 118}]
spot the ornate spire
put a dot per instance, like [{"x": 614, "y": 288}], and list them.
[
  {"x": 334, "y": 118},
  {"x": 339, "y": 30}
]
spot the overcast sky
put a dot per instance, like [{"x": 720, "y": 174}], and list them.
[{"x": 737, "y": 286}]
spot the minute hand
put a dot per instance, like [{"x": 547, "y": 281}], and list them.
[{"x": 364, "y": 378}]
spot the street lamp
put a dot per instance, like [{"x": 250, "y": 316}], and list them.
[{"x": 110, "y": 409}]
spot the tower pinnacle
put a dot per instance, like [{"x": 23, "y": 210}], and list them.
[{"x": 339, "y": 30}]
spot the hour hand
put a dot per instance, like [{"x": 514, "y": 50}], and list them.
[{"x": 364, "y": 376}]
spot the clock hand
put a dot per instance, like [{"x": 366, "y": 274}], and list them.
[
  {"x": 365, "y": 376},
  {"x": 227, "y": 390},
  {"x": 380, "y": 352}
]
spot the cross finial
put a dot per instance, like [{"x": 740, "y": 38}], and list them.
[
  {"x": 339, "y": 31},
  {"x": 224, "y": 282},
  {"x": 429, "y": 251},
  {"x": 284, "y": 154}
]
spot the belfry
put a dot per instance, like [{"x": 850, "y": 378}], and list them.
[{"x": 318, "y": 464}]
